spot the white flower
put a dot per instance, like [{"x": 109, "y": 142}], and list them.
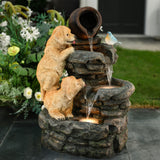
[
  {"x": 38, "y": 96},
  {"x": 1, "y": 13},
  {"x": 56, "y": 20},
  {"x": 4, "y": 39},
  {"x": 27, "y": 93},
  {"x": 43, "y": 107},
  {"x": 29, "y": 33},
  {"x": 3, "y": 24},
  {"x": 29, "y": 12},
  {"x": 4, "y": 42},
  {"x": 3, "y": 4},
  {"x": 23, "y": 22},
  {"x": 65, "y": 74}
]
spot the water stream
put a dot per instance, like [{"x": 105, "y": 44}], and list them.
[
  {"x": 90, "y": 102},
  {"x": 109, "y": 72},
  {"x": 91, "y": 43},
  {"x": 108, "y": 67}
]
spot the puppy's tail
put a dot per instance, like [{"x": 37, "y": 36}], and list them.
[{"x": 43, "y": 92}]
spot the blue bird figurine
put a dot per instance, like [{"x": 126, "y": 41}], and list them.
[{"x": 110, "y": 39}]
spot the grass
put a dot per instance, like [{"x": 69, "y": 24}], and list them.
[{"x": 142, "y": 68}]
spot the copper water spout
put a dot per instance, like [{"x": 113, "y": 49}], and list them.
[{"x": 85, "y": 22}]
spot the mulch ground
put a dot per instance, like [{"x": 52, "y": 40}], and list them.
[{"x": 145, "y": 107}]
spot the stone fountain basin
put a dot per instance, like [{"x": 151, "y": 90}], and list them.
[
  {"x": 111, "y": 107},
  {"x": 121, "y": 90},
  {"x": 89, "y": 139},
  {"x": 80, "y": 138},
  {"x": 110, "y": 103}
]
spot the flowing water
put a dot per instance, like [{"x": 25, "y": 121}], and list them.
[
  {"x": 91, "y": 43},
  {"x": 109, "y": 71},
  {"x": 89, "y": 103},
  {"x": 108, "y": 67}
]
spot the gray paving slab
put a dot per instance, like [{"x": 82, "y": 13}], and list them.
[
  {"x": 141, "y": 116},
  {"x": 137, "y": 42},
  {"x": 146, "y": 43},
  {"x": 23, "y": 140},
  {"x": 5, "y": 123},
  {"x": 144, "y": 134},
  {"x": 143, "y": 151}
]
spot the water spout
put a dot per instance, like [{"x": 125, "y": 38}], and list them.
[
  {"x": 90, "y": 102},
  {"x": 109, "y": 71},
  {"x": 91, "y": 43}
]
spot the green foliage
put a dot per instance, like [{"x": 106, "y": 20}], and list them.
[
  {"x": 35, "y": 57},
  {"x": 9, "y": 93},
  {"x": 14, "y": 9},
  {"x": 55, "y": 15},
  {"x": 26, "y": 107},
  {"x": 40, "y": 18},
  {"x": 19, "y": 71}
]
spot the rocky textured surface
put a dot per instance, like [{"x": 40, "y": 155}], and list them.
[
  {"x": 79, "y": 138},
  {"x": 88, "y": 65},
  {"x": 109, "y": 103},
  {"x": 110, "y": 107},
  {"x": 87, "y": 139},
  {"x": 108, "y": 50}
]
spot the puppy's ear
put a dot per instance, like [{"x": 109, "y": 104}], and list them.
[
  {"x": 69, "y": 93},
  {"x": 68, "y": 87},
  {"x": 58, "y": 35}
]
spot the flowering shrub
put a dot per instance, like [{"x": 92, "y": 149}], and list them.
[{"x": 22, "y": 42}]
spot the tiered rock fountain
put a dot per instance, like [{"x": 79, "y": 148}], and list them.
[{"x": 99, "y": 126}]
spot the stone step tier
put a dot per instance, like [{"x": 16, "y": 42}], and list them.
[
  {"x": 86, "y": 139},
  {"x": 91, "y": 66}
]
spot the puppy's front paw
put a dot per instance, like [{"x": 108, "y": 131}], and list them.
[
  {"x": 69, "y": 115},
  {"x": 71, "y": 50},
  {"x": 57, "y": 115}
]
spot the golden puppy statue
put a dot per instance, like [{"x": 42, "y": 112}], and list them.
[
  {"x": 51, "y": 66},
  {"x": 59, "y": 103}
]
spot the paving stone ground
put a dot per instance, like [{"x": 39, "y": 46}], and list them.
[
  {"x": 20, "y": 139},
  {"x": 137, "y": 42}
]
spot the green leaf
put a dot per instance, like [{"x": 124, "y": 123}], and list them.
[
  {"x": 40, "y": 55},
  {"x": 41, "y": 41},
  {"x": 23, "y": 107},
  {"x": 31, "y": 72},
  {"x": 20, "y": 71},
  {"x": 35, "y": 57},
  {"x": 43, "y": 29},
  {"x": 3, "y": 60},
  {"x": 37, "y": 108},
  {"x": 4, "y": 98}
]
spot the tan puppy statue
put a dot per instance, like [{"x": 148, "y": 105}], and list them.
[
  {"x": 51, "y": 66},
  {"x": 59, "y": 103}
]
